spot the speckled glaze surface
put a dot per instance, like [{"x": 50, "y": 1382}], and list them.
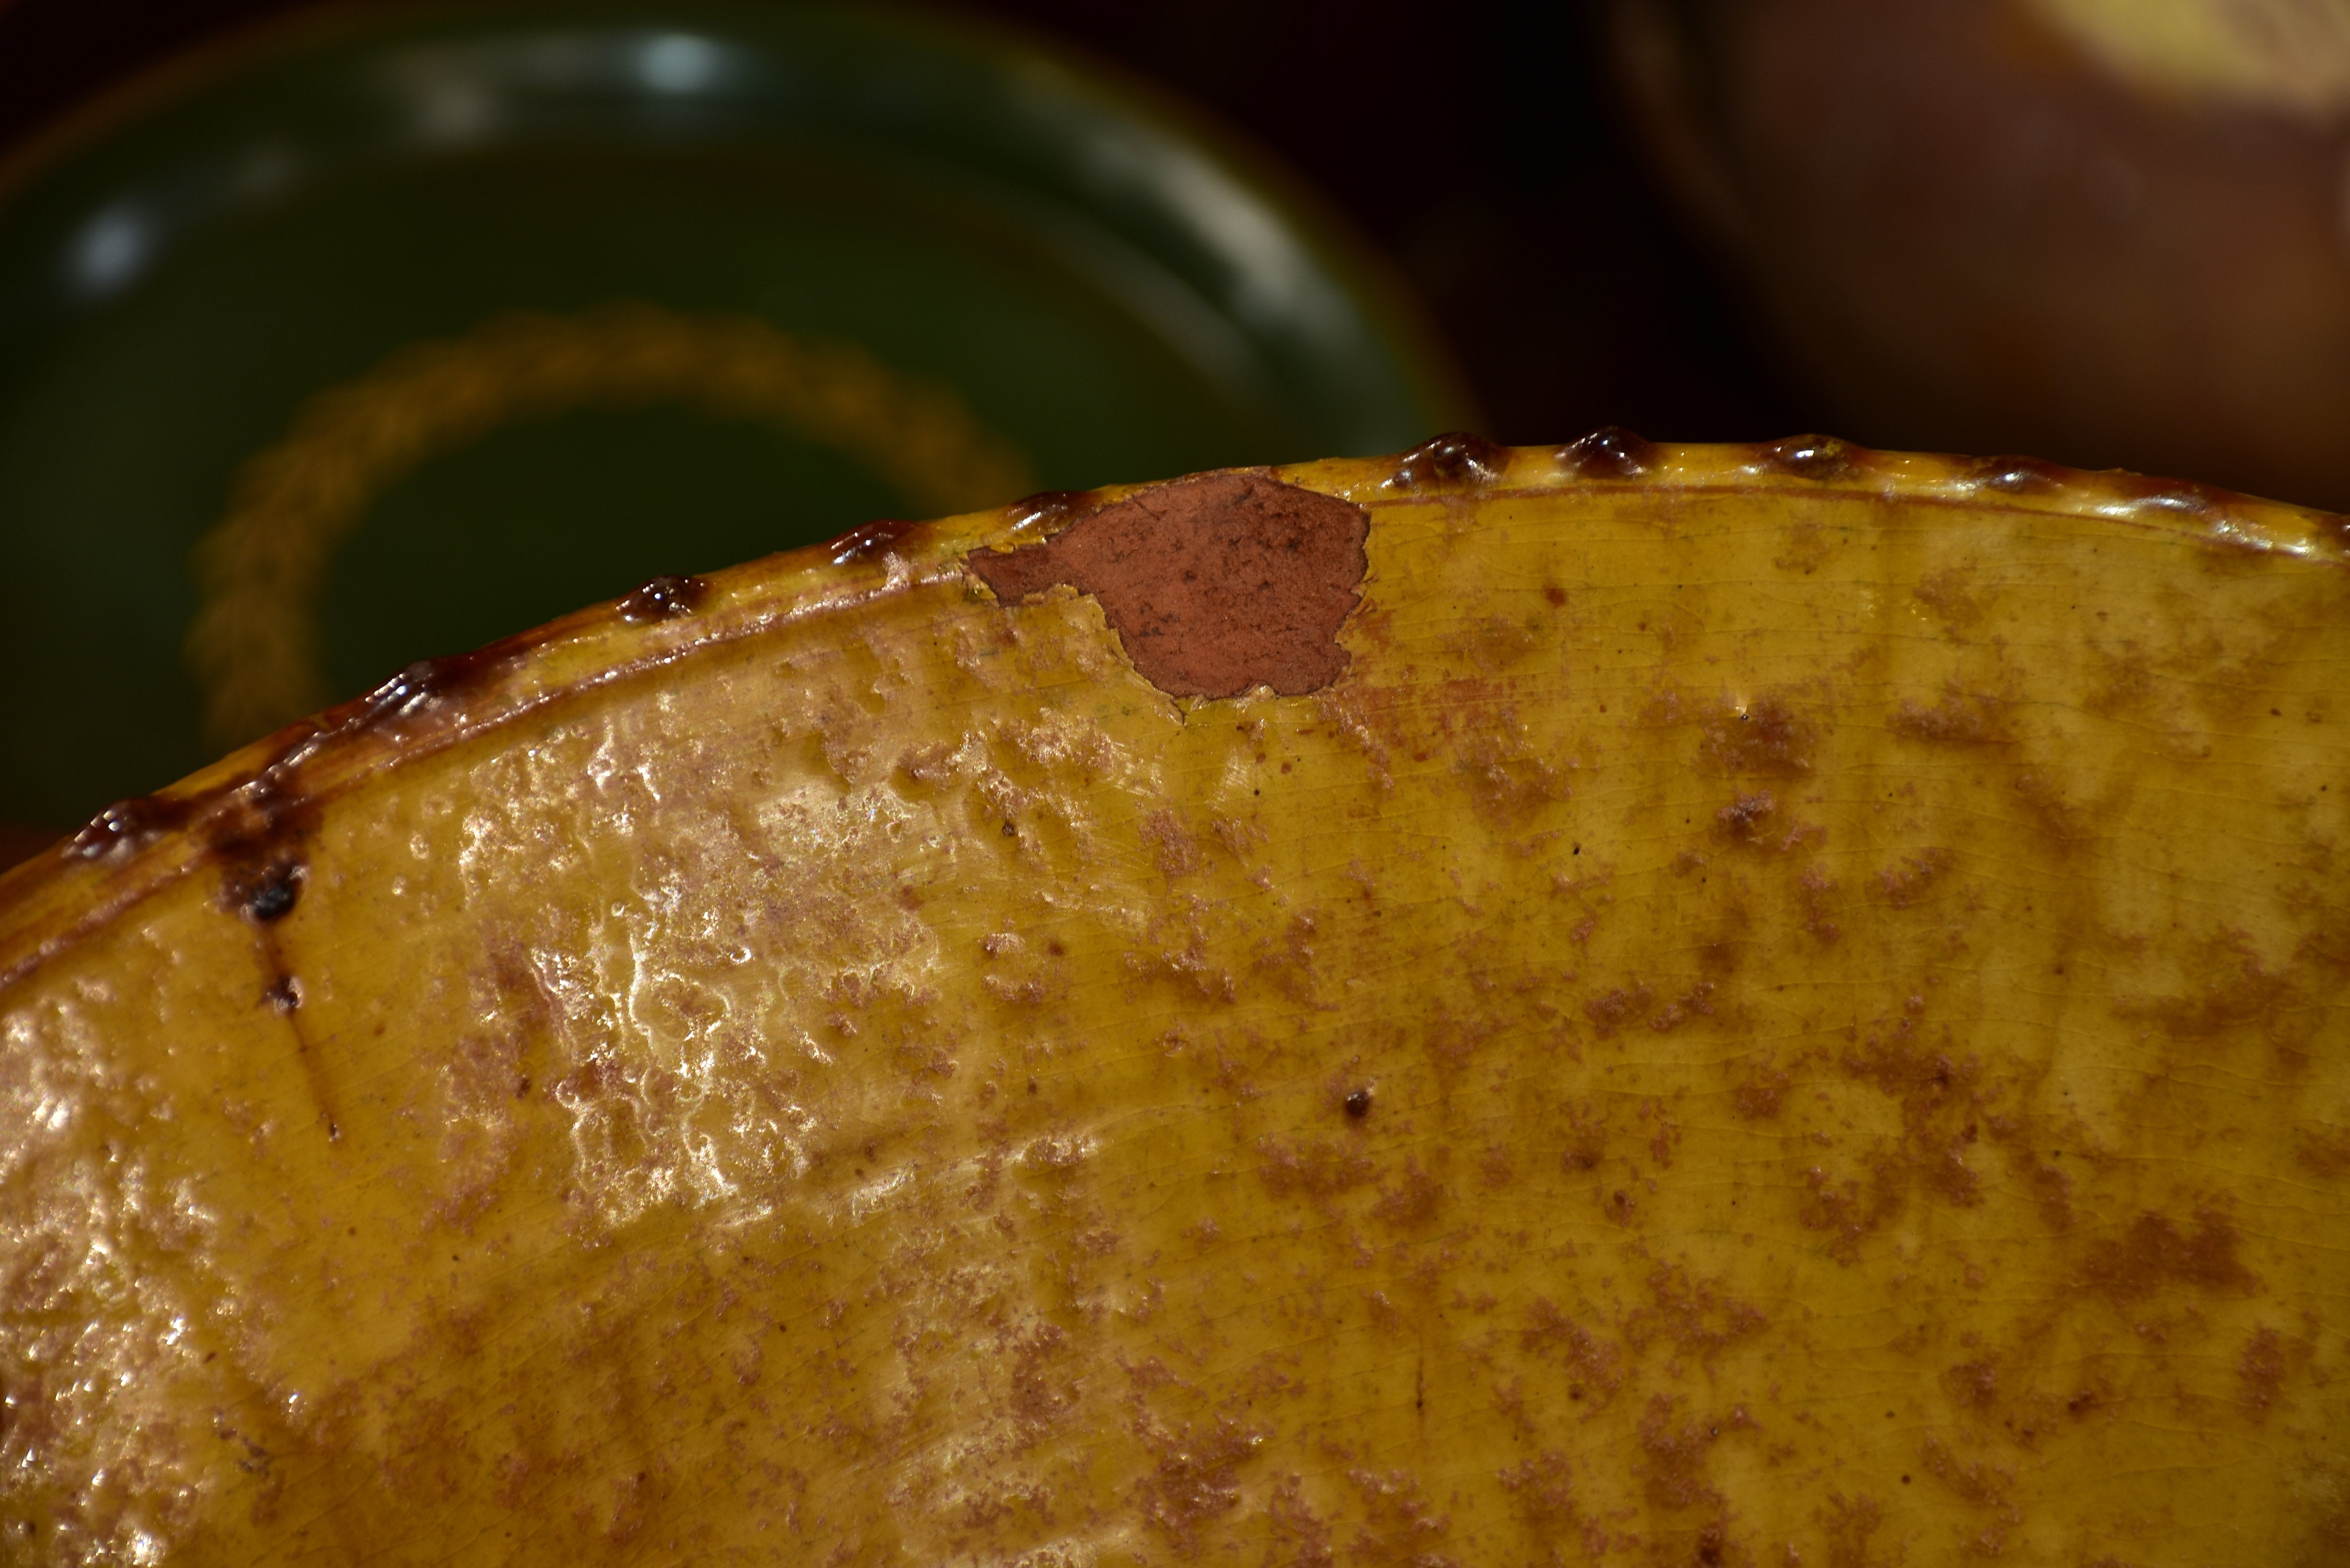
[{"x": 1774, "y": 1004}]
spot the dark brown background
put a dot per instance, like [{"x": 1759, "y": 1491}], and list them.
[{"x": 1478, "y": 146}]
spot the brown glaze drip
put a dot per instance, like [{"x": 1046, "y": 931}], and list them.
[
  {"x": 1215, "y": 586},
  {"x": 268, "y": 894},
  {"x": 1047, "y": 506},
  {"x": 427, "y": 683},
  {"x": 2184, "y": 496},
  {"x": 1449, "y": 462},
  {"x": 1359, "y": 1104},
  {"x": 129, "y": 825},
  {"x": 869, "y": 540},
  {"x": 2018, "y": 475},
  {"x": 1818, "y": 458},
  {"x": 663, "y": 598},
  {"x": 253, "y": 821},
  {"x": 1611, "y": 452}
]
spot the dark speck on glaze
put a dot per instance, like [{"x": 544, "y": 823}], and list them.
[
  {"x": 1454, "y": 459},
  {"x": 268, "y": 894},
  {"x": 1611, "y": 452},
  {"x": 1359, "y": 1104},
  {"x": 663, "y": 598}
]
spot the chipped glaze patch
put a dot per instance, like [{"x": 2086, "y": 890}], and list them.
[{"x": 1215, "y": 586}]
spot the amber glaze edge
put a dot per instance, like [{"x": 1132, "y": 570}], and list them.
[{"x": 264, "y": 793}]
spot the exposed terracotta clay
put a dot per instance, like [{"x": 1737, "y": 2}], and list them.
[{"x": 1215, "y": 586}]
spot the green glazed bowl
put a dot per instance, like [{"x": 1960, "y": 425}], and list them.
[{"x": 384, "y": 334}]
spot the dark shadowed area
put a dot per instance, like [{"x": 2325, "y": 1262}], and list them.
[{"x": 1476, "y": 144}]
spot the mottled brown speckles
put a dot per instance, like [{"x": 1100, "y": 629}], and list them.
[
  {"x": 1900, "y": 886},
  {"x": 2050, "y": 1190},
  {"x": 2152, "y": 1254},
  {"x": 1583, "y": 1138},
  {"x": 2324, "y": 1150},
  {"x": 1313, "y": 1167},
  {"x": 1760, "y": 1092},
  {"x": 1697, "y": 1317},
  {"x": 1543, "y": 1490},
  {"x": 1815, "y": 898},
  {"x": 1594, "y": 1366},
  {"x": 1979, "y": 1483},
  {"x": 1766, "y": 735},
  {"x": 1400, "y": 1529},
  {"x": 1040, "y": 1392},
  {"x": 1495, "y": 642},
  {"x": 2125, "y": 679},
  {"x": 1288, "y": 958},
  {"x": 1172, "y": 845},
  {"x": 1846, "y": 1211},
  {"x": 1972, "y": 1385},
  {"x": 1745, "y": 820},
  {"x": 1696, "y": 1001},
  {"x": 1508, "y": 783},
  {"x": 2233, "y": 987},
  {"x": 2049, "y": 808},
  {"x": 2260, "y": 1370},
  {"x": 1412, "y": 1202},
  {"x": 1954, "y": 594},
  {"x": 1809, "y": 547},
  {"x": 482, "y": 1129},
  {"x": 1960, "y": 718},
  {"x": 1610, "y": 1010},
  {"x": 1296, "y": 1532},
  {"x": 1194, "y": 1479},
  {"x": 1850, "y": 1524},
  {"x": 1674, "y": 1451}
]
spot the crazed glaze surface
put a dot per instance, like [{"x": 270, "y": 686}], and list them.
[{"x": 1784, "y": 1005}]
